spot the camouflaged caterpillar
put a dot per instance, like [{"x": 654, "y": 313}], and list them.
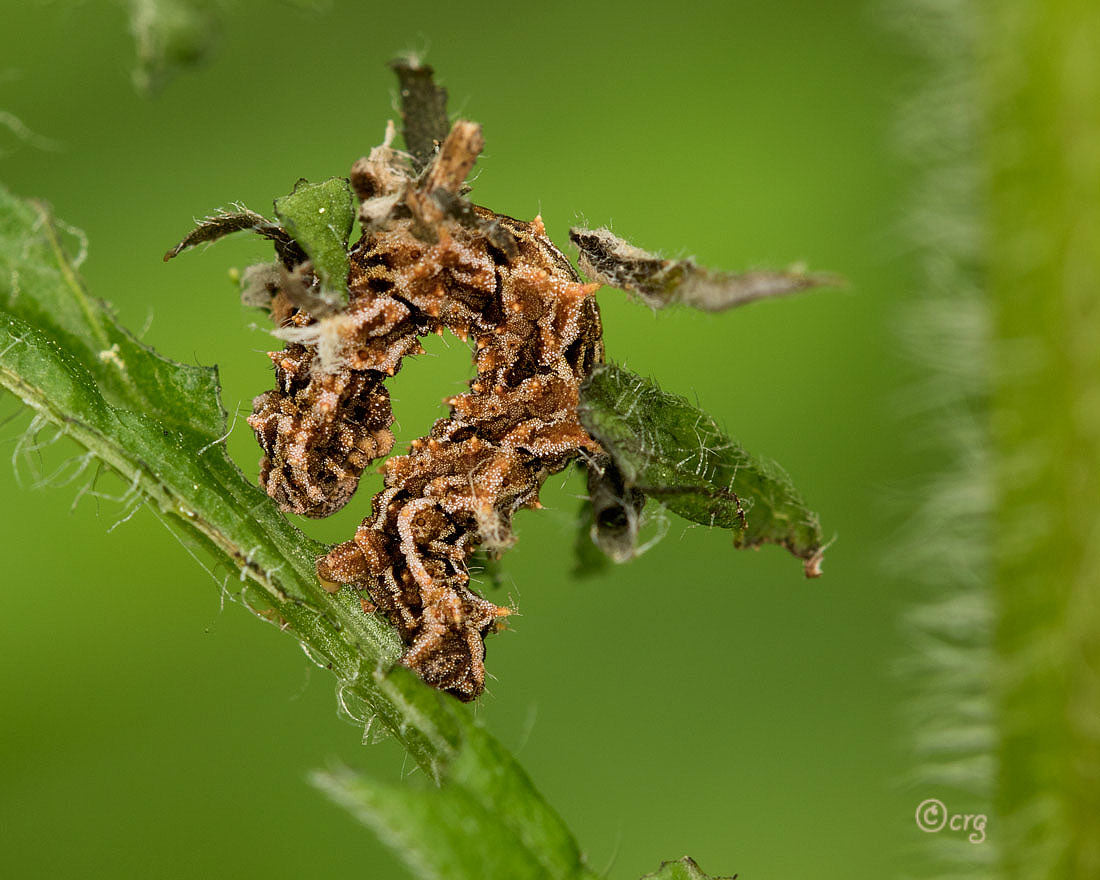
[{"x": 428, "y": 261}]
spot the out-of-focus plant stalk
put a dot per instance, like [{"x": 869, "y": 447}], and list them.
[{"x": 1042, "y": 65}]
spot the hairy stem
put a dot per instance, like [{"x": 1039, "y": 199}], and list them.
[{"x": 1044, "y": 150}]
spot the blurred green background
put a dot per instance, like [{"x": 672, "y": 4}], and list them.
[{"x": 698, "y": 701}]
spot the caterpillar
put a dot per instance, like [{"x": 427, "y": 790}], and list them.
[{"x": 429, "y": 261}]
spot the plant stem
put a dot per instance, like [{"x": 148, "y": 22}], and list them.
[{"x": 1043, "y": 69}]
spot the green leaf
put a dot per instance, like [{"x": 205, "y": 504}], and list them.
[
  {"x": 484, "y": 821},
  {"x": 672, "y": 451},
  {"x": 319, "y": 216},
  {"x": 682, "y": 869},
  {"x": 608, "y": 259},
  {"x": 38, "y": 284}
]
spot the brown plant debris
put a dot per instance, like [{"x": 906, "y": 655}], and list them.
[
  {"x": 616, "y": 510},
  {"x": 225, "y": 223},
  {"x": 429, "y": 261},
  {"x": 423, "y": 108},
  {"x": 606, "y": 258}
]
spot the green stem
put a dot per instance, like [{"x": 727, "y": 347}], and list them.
[{"x": 1043, "y": 65}]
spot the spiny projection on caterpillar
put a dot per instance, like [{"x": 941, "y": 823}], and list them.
[{"x": 428, "y": 261}]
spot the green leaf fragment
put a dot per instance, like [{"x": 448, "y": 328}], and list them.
[
  {"x": 39, "y": 285},
  {"x": 610, "y": 260},
  {"x": 670, "y": 450},
  {"x": 682, "y": 869},
  {"x": 485, "y": 819},
  {"x": 319, "y": 216}
]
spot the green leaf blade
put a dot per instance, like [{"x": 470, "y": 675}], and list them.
[
  {"x": 440, "y": 835},
  {"x": 319, "y": 216},
  {"x": 485, "y": 819},
  {"x": 670, "y": 450},
  {"x": 40, "y": 286}
]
